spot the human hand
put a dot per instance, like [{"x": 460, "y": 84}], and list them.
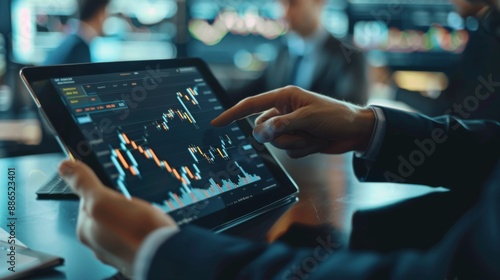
[
  {"x": 108, "y": 223},
  {"x": 468, "y": 8},
  {"x": 303, "y": 123}
]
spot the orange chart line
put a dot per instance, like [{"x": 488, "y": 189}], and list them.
[
  {"x": 189, "y": 172},
  {"x": 149, "y": 153},
  {"x": 125, "y": 138},
  {"x": 122, "y": 159}
]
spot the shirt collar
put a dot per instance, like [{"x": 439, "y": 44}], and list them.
[{"x": 303, "y": 46}]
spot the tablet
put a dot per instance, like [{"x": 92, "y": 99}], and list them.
[{"x": 144, "y": 128}]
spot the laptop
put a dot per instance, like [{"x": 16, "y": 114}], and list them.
[{"x": 144, "y": 128}]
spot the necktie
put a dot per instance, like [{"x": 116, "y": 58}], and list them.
[{"x": 294, "y": 73}]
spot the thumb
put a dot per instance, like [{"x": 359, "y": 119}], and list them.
[
  {"x": 80, "y": 178},
  {"x": 274, "y": 127}
]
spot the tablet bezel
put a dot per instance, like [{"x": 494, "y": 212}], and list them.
[{"x": 37, "y": 80}]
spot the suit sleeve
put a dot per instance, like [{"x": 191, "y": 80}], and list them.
[
  {"x": 470, "y": 250},
  {"x": 443, "y": 151},
  {"x": 198, "y": 254}
]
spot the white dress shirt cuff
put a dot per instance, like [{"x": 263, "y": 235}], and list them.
[
  {"x": 148, "y": 249},
  {"x": 377, "y": 138}
]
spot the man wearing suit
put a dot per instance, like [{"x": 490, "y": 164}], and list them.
[
  {"x": 75, "y": 48},
  {"x": 390, "y": 145},
  {"x": 312, "y": 59}
]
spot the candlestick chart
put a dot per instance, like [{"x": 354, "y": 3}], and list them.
[
  {"x": 176, "y": 158},
  {"x": 161, "y": 147}
]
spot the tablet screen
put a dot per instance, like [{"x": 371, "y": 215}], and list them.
[{"x": 150, "y": 130}]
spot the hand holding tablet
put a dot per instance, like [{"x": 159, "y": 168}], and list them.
[{"x": 110, "y": 224}]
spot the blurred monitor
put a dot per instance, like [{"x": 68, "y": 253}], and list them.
[
  {"x": 410, "y": 34},
  {"x": 406, "y": 34},
  {"x": 138, "y": 30},
  {"x": 135, "y": 29},
  {"x": 39, "y": 26},
  {"x": 243, "y": 34}
]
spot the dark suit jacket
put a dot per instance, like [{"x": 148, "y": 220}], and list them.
[
  {"x": 464, "y": 158},
  {"x": 340, "y": 74},
  {"x": 474, "y": 83},
  {"x": 72, "y": 50}
]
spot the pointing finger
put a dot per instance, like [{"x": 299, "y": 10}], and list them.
[{"x": 252, "y": 105}]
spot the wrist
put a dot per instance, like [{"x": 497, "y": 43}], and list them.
[{"x": 365, "y": 125}]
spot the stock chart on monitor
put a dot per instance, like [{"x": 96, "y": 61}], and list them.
[{"x": 151, "y": 132}]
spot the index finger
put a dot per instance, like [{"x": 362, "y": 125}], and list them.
[{"x": 250, "y": 106}]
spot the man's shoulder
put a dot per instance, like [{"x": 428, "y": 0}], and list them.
[
  {"x": 72, "y": 50},
  {"x": 335, "y": 46},
  {"x": 71, "y": 43}
]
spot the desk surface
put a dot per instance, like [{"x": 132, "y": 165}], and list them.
[{"x": 328, "y": 194}]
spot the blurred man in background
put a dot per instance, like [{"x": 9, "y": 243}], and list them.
[
  {"x": 477, "y": 73},
  {"x": 312, "y": 59},
  {"x": 75, "y": 48}
]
